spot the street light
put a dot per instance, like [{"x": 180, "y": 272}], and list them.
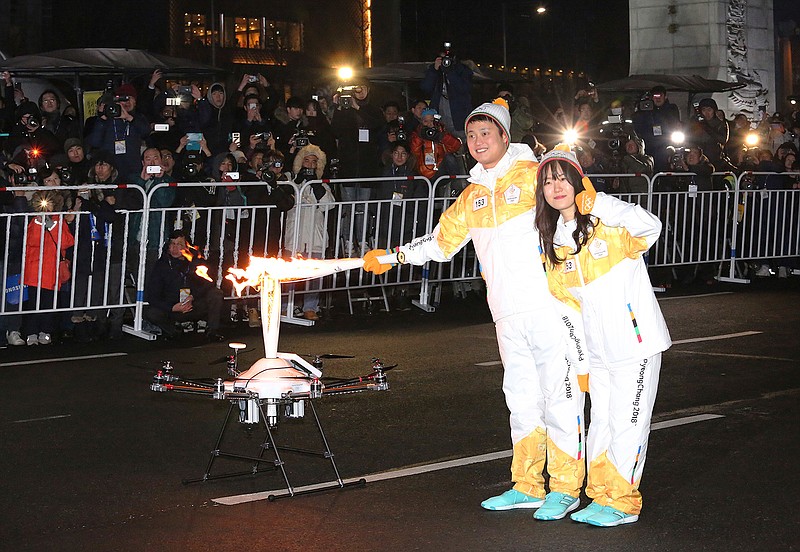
[{"x": 541, "y": 10}]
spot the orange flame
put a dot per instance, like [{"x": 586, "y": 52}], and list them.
[
  {"x": 202, "y": 271},
  {"x": 277, "y": 269}
]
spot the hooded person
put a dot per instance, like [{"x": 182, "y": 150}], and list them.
[
  {"x": 28, "y": 141},
  {"x": 496, "y": 212},
  {"x": 306, "y": 233},
  {"x": 594, "y": 245}
]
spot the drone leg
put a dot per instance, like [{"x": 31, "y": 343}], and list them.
[
  {"x": 215, "y": 452},
  {"x": 328, "y": 453},
  {"x": 271, "y": 439}
]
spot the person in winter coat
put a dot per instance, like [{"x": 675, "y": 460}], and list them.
[
  {"x": 47, "y": 267},
  {"x": 593, "y": 244},
  {"x": 496, "y": 212},
  {"x": 431, "y": 145},
  {"x": 306, "y": 229},
  {"x": 219, "y": 118}
]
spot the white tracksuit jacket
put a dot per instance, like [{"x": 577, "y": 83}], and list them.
[{"x": 496, "y": 212}]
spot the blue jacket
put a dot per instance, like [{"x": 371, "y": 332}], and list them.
[{"x": 459, "y": 83}]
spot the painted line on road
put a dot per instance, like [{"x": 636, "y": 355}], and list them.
[
  {"x": 436, "y": 466},
  {"x": 40, "y": 419},
  {"x": 490, "y": 363},
  {"x": 733, "y": 355},
  {"x": 714, "y": 337},
  {"x": 60, "y": 359},
  {"x": 695, "y": 296}
]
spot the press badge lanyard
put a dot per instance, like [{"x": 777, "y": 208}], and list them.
[{"x": 119, "y": 145}]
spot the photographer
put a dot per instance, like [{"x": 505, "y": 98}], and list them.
[
  {"x": 28, "y": 140},
  {"x": 448, "y": 82},
  {"x": 634, "y": 161},
  {"x": 431, "y": 145},
  {"x": 286, "y": 133},
  {"x": 252, "y": 128},
  {"x": 259, "y": 86},
  {"x": 655, "y": 120},
  {"x": 356, "y": 125},
  {"x": 121, "y": 131},
  {"x": 319, "y": 129},
  {"x": 710, "y": 133},
  {"x": 267, "y": 167}
]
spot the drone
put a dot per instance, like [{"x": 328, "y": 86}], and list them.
[{"x": 279, "y": 385}]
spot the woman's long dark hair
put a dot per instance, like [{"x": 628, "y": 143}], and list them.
[{"x": 547, "y": 216}]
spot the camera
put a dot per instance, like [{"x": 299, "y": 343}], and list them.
[
  {"x": 645, "y": 103},
  {"x": 333, "y": 168},
  {"x": 184, "y": 90},
  {"x": 307, "y": 173},
  {"x": 401, "y": 134},
  {"x": 267, "y": 175},
  {"x": 676, "y": 158},
  {"x": 113, "y": 110},
  {"x": 21, "y": 179},
  {"x": 191, "y": 165},
  {"x": 263, "y": 135},
  {"x": 65, "y": 174},
  {"x": 301, "y": 139},
  {"x": 252, "y": 78},
  {"x": 346, "y": 96},
  {"x": 430, "y": 133},
  {"x": 447, "y": 58}
]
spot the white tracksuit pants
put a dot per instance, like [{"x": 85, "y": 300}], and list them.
[
  {"x": 622, "y": 407},
  {"x": 545, "y": 402}
]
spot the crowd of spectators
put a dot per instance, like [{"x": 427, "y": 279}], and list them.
[{"x": 78, "y": 246}]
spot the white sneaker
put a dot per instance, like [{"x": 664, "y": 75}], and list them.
[
  {"x": 14, "y": 338},
  {"x": 783, "y": 272},
  {"x": 202, "y": 326},
  {"x": 32, "y": 340},
  {"x": 44, "y": 338},
  {"x": 764, "y": 271}
]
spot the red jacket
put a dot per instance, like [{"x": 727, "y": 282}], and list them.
[
  {"x": 51, "y": 256},
  {"x": 421, "y": 147}
]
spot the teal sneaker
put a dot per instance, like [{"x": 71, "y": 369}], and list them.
[
  {"x": 511, "y": 500},
  {"x": 611, "y": 517},
  {"x": 581, "y": 515},
  {"x": 556, "y": 506}
]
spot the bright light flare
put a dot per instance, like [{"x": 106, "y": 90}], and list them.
[
  {"x": 678, "y": 137},
  {"x": 570, "y": 136},
  {"x": 35, "y": 152},
  {"x": 541, "y": 9},
  {"x": 751, "y": 139},
  {"x": 345, "y": 73}
]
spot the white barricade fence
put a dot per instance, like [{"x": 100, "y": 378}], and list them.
[
  {"x": 752, "y": 219},
  {"x": 71, "y": 259},
  {"x": 766, "y": 221},
  {"x": 696, "y": 223}
]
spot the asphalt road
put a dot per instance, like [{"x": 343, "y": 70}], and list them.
[{"x": 91, "y": 459}]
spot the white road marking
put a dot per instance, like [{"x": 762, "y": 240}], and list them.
[
  {"x": 436, "y": 466},
  {"x": 696, "y": 296},
  {"x": 490, "y": 363},
  {"x": 714, "y": 337},
  {"x": 40, "y": 419},
  {"x": 683, "y": 421},
  {"x": 732, "y": 355},
  {"x": 61, "y": 359}
]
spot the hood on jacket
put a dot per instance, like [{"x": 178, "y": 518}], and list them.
[
  {"x": 304, "y": 152},
  {"x": 217, "y": 160},
  {"x": 215, "y": 86}
]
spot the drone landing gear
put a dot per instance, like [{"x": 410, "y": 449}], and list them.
[{"x": 277, "y": 462}]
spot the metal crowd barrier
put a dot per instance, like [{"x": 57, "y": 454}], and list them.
[{"x": 738, "y": 223}]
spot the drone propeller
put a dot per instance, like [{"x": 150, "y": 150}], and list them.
[
  {"x": 387, "y": 368},
  {"x": 328, "y": 355},
  {"x": 223, "y": 359}
]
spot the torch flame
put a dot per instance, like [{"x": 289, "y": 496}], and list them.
[
  {"x": 202, "y": 271},
  {"x": 285, "y": 270}
]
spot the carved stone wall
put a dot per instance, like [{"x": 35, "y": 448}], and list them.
[{"x": 730, "y": 40}]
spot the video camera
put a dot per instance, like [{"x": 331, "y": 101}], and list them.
[
  {"x": 333, "y": 168},
  {"x": 645, "y": 103},
  {"x": 447, "y": 57},
  {"x": 65, "y": 174},
  {"x": 301, "y": 138},
  {"x": 114, "y": 109}
]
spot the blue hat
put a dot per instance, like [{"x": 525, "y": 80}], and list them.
[{"x": 429, "y": 111}]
